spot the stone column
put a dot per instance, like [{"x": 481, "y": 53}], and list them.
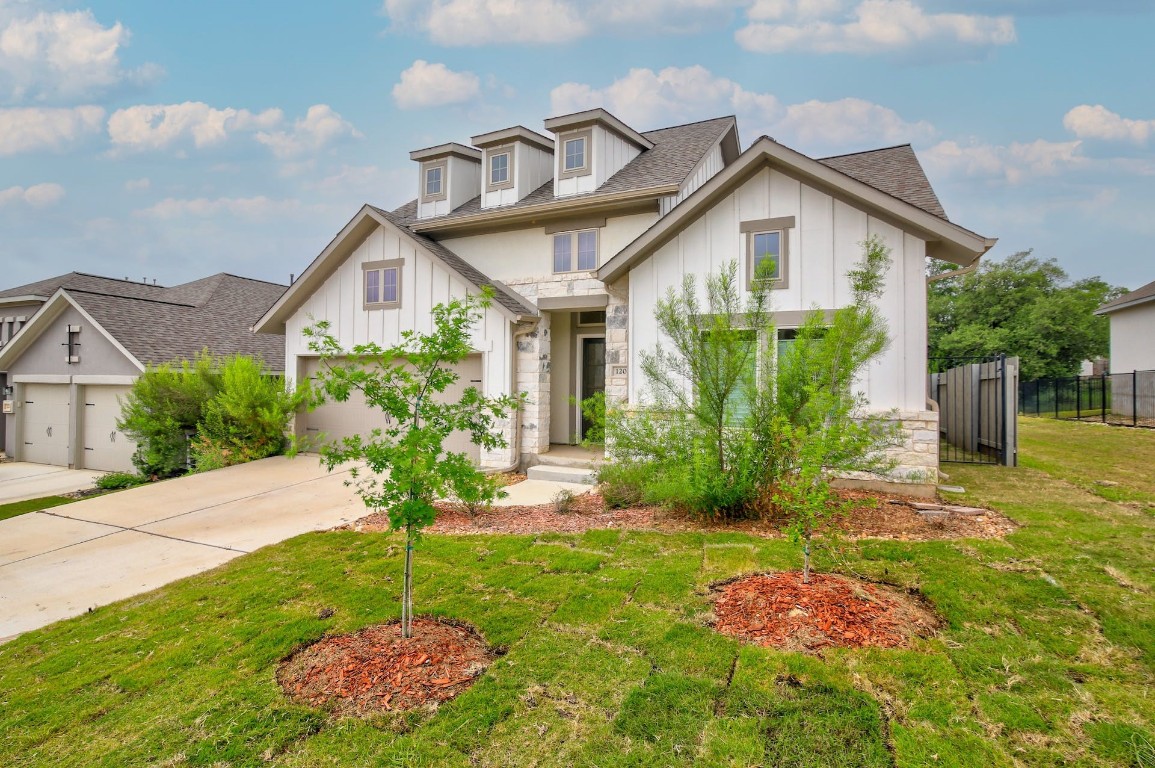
[
  {"x": 618, "y": 343},
  {"x": 533, "y": 366}
]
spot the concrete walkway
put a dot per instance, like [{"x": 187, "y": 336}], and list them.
[
  {"x": 59, "y": 563},
  {"x": 20, "y": 480}
]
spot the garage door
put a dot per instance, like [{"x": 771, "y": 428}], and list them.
[
  {"x": 45, "y": 424},
  {"x": 105, "y": 446},
  {"x": 334, "y": 421}
]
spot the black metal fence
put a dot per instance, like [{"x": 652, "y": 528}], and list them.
[
  {"x": 1125, "y": 399},
  {"x": 976, "y": 405}
]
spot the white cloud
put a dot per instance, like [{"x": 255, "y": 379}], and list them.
[
  {"x": 259, "y": 207},
  {"x": 647, "y": 99},
  {"x": 1098, "y": 122},
  {"x": 320, "y": 127},
  {"x": 29, "y": 129},
  {"x": 159, "y": 126},
  {"x": 37, "y": 196},
  {"x": 1013, "y": 163},
  {"x": 434, "y": 85},
  {"x": 872, "y": 26},
  {"x": 62, "y": 55},
  {"x": 137, "y": 185}
]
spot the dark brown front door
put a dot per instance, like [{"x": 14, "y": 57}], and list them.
[{"x": 593, "y": 371}]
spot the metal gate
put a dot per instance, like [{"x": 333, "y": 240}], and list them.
[{"x": 977, "y": 403}]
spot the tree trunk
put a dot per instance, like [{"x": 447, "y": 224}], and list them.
[
  {"x": 407, "y": 589},
  {"x": 806, "y": 558}
]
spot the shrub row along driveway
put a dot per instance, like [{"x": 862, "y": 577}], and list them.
[{"x": 61, "y": 562}]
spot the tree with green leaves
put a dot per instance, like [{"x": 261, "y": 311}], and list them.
[
  {"x": 1022, "y": 306},
  {"x": 406, "y": 466}
]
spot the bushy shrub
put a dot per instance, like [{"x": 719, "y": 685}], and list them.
[
  {"x": 162, "y": 410},
  {"x": 115, "y": 481}
]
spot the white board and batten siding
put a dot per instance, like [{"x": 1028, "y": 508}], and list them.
[
  {"x": 462, "y": 183},
  {"x": 824, "y": 245},
  {"x": 425, "y": 283},
  {"x": 532, "y": 167}
]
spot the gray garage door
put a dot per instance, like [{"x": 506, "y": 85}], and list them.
[
  {"x": 105, "y": 446},
  {"x": 45, "y": 439},
  {"x": 334, "y": 421}
]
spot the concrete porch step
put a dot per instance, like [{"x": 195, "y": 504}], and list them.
[
  {"x": 561, "y": 474},
  {"x": 571, "y": 456}
]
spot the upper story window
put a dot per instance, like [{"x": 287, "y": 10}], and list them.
[
  {"x": 382, "y": 284},
  {"x": 574, "y": 158},
  {"x": 499, "y": 168},
  {"x": 767, "y": 250},
  {"x": 575, "y": 251},
  {"x": 433, "y": 182}
]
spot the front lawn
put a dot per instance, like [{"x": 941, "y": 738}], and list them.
[{"x": 1047, "y": 657}]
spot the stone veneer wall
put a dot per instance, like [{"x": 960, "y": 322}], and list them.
[
  {"x": 916, "y": 452},
  {"x": 618, "y": 343}
]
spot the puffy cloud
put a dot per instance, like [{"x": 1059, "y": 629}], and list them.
[
  {"x": 434, "y": 85},
  {"x": 1098, "y": 122},
  {"x": 872, "y": 26},
  {"x": 259, "y": 207},
  {"x": 159, "y": 126},
  {"x": 320, "y": 127},
  {"x": 1013, "y": 163},
  {"x": 37, "y": 196},
  {"x": 647, "y": 99},
  {"x": 493, "y": 22},
  {"x": 29, "y": 129},
  {"x": 62, "y": 55}
]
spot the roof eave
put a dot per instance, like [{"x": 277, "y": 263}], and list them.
[
  {"x": 28, "y": 298},
  {"x": 1108, "y": 309}
]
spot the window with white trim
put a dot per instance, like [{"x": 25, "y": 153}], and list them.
[
  {"x": 434, "y": 180},
  {"x": 382, "y": 281},
  {"x": 575, "y": 251},
  {"x": 575, "y": 153},
  {"x": 499, "y": 169}
]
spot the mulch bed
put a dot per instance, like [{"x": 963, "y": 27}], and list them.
[
  {"x": 375, "y": 670},
  {"x": 881, "y": 516},
  {"x": 780, "y": 611}
]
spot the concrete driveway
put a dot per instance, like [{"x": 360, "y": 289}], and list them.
[
  {"x": 61, "y": 562},
  {"x": 20, "y": 480}
]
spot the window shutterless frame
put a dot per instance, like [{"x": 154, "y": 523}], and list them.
[
  {"x": 434, "y": 181},
  {"x": 575, "y": 251},
  {"x": 768, "y": 238},
  {"x": 574, "y": 157},
  {"x": 381, "y": 284},
  {"x": 499, "y": 168}
]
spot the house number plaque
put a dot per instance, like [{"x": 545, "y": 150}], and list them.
[{"x": 619, "y": 370}]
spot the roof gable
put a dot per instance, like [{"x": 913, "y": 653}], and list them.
[{"x": 894, "y": 170}]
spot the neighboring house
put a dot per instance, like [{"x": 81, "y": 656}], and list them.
[
  {"x": 580, "y": 233},
  {"x": 1132, "y": 318},
  {"x": 84, "y": 339}
]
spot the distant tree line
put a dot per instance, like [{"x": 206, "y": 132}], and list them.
[{"x": 1023, "y": 306}]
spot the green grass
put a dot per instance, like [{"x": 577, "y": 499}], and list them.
[
  {"x": 1047, "y": 657},
  {"x": 32, "y": 505}
]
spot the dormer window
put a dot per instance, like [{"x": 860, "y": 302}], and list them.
[
  {"x": 433, "y": 181},
  {"x": 499, "y": 168},
  {"x": 574, "y": 159}
]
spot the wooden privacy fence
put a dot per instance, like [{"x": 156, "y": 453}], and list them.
[{"x": 977, "y": 402}]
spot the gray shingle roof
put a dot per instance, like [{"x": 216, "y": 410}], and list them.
[
  {"x": 503, "y": 295},
  {"x": 676, "y": 151},
  {"x": 1143, "y": 294},
  {"x": 85, "y": 282},
  {"x": 893, "y": 170},
  {"x": 214, "y": 313}
]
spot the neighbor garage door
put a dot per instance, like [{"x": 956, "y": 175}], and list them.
[
  {"x": 45, "y": 438},
  {"x": 105, "y": 446},
  {"x": 333, "y": 421}
]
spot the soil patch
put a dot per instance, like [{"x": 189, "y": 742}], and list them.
[
  {"x": 879, "y": 516},
  {"x": 375, "y": 670},
  {"x": 779, "y": 611}
]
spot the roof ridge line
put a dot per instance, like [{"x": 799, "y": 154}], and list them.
[
  {"x": 66, "y": 289},
  {"x": 692, "y": 122},
  {"x": 866, "y": 151}
]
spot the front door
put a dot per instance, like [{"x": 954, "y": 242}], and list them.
[{"x": 593, "y": 372}]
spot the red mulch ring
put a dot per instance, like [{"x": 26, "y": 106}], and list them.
[
  {"x": 779, "y": 611},
  {"x": 375, "y": 670},
  {"x": 877, "y": 516}
]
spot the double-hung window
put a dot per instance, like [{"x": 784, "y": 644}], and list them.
[
  {"x": 575, "y": 251},
  {"x": 433, "y": 181},
  {"x": 767, "y": 251},
  {"x": 382, "y": 284},
  {"x": 498, "y": 168},
  {"x": 574, "y": 156}
]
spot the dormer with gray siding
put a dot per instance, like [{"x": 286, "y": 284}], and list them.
[
  {"x": 516, "y": 161},
  {"x": 589, "y": 148},
  {"x": 449, "y": 176}
]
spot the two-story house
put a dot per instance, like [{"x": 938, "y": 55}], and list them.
[{"x": 580, "y": 233}]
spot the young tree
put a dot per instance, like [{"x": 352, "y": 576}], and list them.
[{"x": 408, "y": 466}]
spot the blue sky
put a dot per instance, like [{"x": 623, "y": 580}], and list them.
[{"x": 175, "y": 140}]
